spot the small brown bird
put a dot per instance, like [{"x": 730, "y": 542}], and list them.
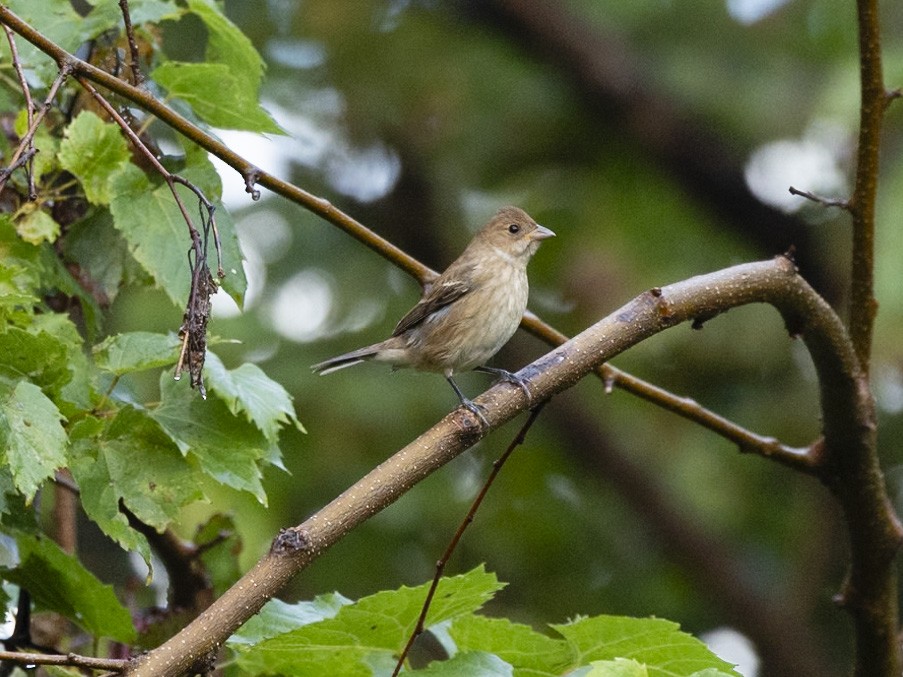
[{"x": 469, "y": 312}]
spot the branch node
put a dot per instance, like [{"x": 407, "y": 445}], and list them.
[
  {"x": 290, "y": 542},
  {"x": 698, "y": 323},
  {"x": 251, "y": 176},
  {"x": 790, "y": 255},
  {"x": 664, "y": 308}
]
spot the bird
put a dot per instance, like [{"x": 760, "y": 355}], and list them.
[{"x": 468, "y": 313}]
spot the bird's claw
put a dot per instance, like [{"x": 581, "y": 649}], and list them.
[
  {"x": 509, "y": 377},
  {"x": 476, "y": 410}
]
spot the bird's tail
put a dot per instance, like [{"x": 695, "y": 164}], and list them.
[{"x": 346, "y": 360}]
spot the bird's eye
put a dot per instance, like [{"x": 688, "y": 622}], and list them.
[{"x": 513, "y": 228}]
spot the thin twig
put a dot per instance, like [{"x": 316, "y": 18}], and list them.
[
  {"x": 25, "y": 141},
  {"x": 466, "y": 522},
  {"x": 824, "y": 201},
  {"x": 29, "y": 113},
  {"x": 70, "y": 659},
  {"x": 23, "y": 159},
  {"x": 137, "y": 75}
]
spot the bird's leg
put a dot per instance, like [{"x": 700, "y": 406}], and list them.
[
  {"x": 468, "y": 404},
  {"x": 505, "y": 375}
]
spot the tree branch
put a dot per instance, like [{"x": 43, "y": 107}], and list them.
[
  {"x": 251, "y": 173},
  {"x": 70, "y": 659},
  {"x": 801, "y": 459},
  {"x": 863, "y": 306},
  {"x": 776, "y": 282}
]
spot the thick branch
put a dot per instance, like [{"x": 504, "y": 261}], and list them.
[{"x": 774, "y": 282}]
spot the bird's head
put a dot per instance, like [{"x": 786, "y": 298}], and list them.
[{"x": 513, "y": 232}]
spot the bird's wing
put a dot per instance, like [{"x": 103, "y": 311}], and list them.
[{"x": 441, "y": 295}]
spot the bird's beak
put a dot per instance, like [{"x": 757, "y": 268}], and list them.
[{"x": 541, "y": 233}]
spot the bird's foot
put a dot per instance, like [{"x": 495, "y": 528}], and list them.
[
  {"x": 509, "y": 377},
  {"x": 467, "y": 403},
  {"x": 476, "y": 410}
]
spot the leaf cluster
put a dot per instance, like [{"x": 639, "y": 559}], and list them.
[
  {"x": 334, "y": 635},
  {"x": 72, "y": 419}
]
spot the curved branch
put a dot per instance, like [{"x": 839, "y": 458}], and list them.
[{"x": 845, "y": 404}]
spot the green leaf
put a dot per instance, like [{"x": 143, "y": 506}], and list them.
[
  {"x": 31, "y": 436},
  {"x": 13, "y": 508},
  {"x": 49, "y": 355},
  {"x": 102, "y": 253},
  {"x": 216, "y": 94},
  {"x": 278, "y": 617},
  {"x": 66, "y": 376},
  {"x": 247, "y": 389},
  {"x": 136, "y": 351},
  {"x": 226, "y": 44},
  {"x": 220, "y": 545},
  {"x": 106, "y": 15},
  {"x": 40, "y": 357},
  {"x": 224, "y": 91},
  {"x": 369, "y": 632},
  {"x": 20, "y": 272},
  {"x": 531, "y": 652},
  {"x": 38, "y": 226},
  {"x": 473, "y": 664},
  {"x": 47, "y": 159},
  {"x": 149, "y": 219},
  {"x": 228, "y": 448},
  {"x": 655, "y": 642},
  {"x": 619, "y": 667},
  {"x": 152, "y": 224},
  {"x": 93, "y": 150},
  {"x": 60, "y": 583},
  {"x": 135, "y": 462}
]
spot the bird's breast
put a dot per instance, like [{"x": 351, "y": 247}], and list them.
[{"x": 468, "y": 332}]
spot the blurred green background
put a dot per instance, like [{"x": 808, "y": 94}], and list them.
[{"x": 658, "y": 140}]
